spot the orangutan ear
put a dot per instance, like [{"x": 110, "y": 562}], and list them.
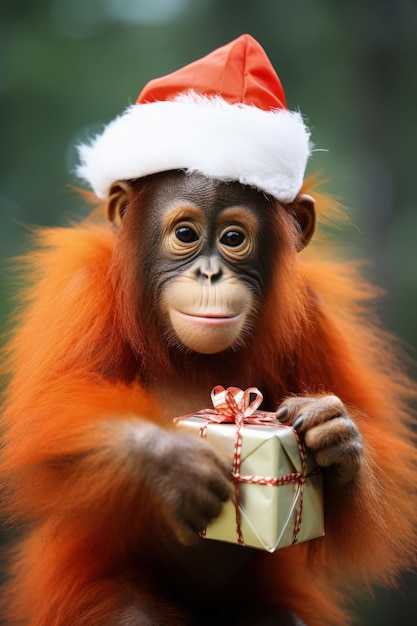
[
  {"x": 117, "y": 203},
  {"x": 304, "y": 212}
]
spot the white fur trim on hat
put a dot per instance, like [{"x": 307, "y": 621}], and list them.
[{"x": 228, "y": 142}]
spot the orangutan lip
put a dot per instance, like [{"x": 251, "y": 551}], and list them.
[{"x": 209, "y": 318}]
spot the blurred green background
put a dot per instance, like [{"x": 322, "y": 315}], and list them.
[{"x": 69, "y": 66}]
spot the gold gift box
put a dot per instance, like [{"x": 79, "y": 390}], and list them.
[{"x": 265, "y": 516}]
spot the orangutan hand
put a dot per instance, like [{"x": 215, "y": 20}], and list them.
[{"x": 328, "y": 431}]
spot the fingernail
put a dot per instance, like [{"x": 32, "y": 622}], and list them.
[
  {"x": 282, "y": 413},
  {"x": 298, "y": 422}
]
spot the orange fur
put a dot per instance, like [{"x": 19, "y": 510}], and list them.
[{"x": 76, "y": 389}]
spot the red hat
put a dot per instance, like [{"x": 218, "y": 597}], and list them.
[{"x": 224, "y": 116}]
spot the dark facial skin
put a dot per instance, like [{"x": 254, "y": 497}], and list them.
[
  {"x": 213, "y": 198},
  {"x": 206, "y": 256}
]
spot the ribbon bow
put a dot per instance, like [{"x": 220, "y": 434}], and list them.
[{"x": 235, "y": 405}]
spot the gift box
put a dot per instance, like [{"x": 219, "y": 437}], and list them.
[{"x": 278, "y": 487}]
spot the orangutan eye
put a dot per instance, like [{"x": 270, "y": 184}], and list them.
[
  {"x": 186, "y": 234},
  {"x": 232, "y": 239}
]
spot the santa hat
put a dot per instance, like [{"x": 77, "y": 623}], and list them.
[{"x": 224, "y": 116}]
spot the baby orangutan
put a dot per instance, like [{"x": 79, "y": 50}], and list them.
[{"x": 201, "y": 275}]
